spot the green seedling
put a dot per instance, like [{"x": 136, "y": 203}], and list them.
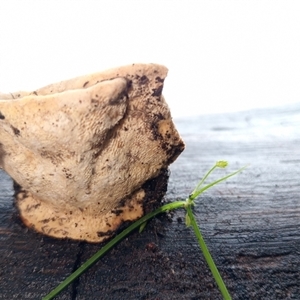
[{"x": 142, "y": 222}]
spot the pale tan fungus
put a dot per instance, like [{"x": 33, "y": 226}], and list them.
[{"x": 82, "y": 149}]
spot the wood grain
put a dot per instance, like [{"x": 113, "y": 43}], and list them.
[{"x": 250, "y": 223}]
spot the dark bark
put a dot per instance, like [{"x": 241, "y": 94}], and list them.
[{"x": 250, "y": 223}]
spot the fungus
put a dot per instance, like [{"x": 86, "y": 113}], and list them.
[{"x": 88, "y": 154}]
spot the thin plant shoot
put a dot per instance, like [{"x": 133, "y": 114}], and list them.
[{"x": 141, "y": 223}]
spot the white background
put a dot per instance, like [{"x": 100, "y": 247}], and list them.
[{"x": 222, "y": 55}]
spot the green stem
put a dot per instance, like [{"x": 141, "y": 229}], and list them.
[
  {"x": 109, "y": 245},
  {"x": 207, "y": 255},
  {"x": 142, "y": 221},
  {"x": 194, "y": 194}
]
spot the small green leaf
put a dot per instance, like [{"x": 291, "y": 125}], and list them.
[
  {"x": 187, "y": 220},
  {"x": 142, "y": 227}
]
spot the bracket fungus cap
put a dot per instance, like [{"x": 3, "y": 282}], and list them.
[{"x": 82, "y": 150}]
